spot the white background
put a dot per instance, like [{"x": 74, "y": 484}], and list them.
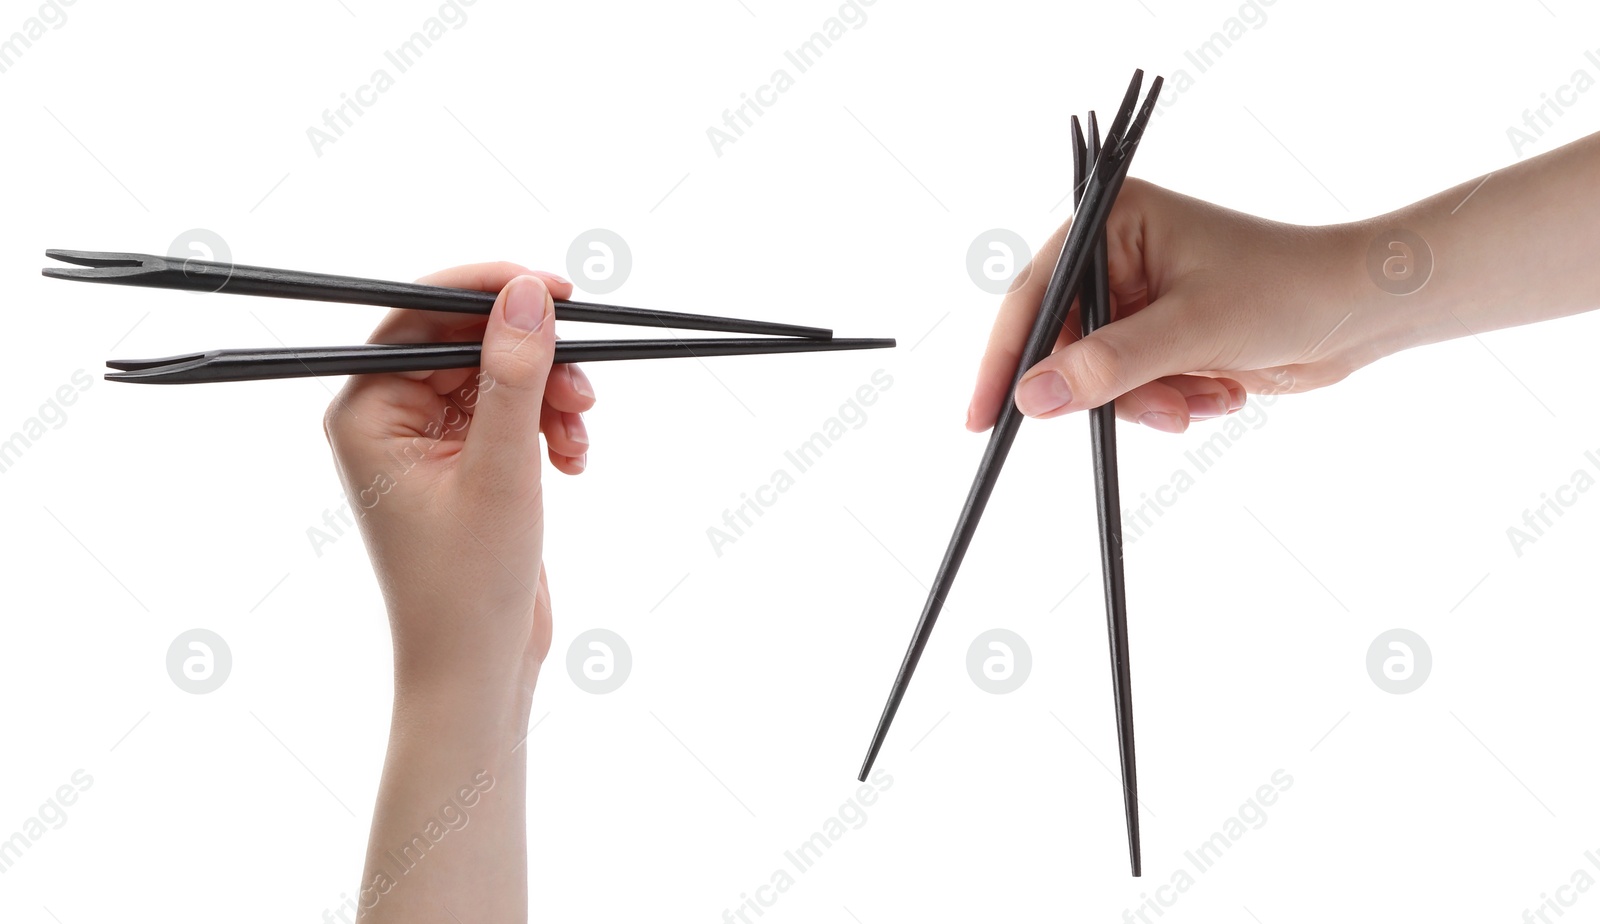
[{"x": 758, "y": 674}]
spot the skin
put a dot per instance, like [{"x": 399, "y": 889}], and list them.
[
  {"x": 453, "y": 520},
  {"x": 1209, "y": 303}
]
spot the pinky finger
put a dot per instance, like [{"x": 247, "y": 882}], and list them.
[
  {"x": 569, "y": 465},
  {"x": 1169, "y": 404}
]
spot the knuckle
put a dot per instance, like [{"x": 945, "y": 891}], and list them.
[
  {"x": 1095, "y": 366},
  {"x": 1134, "y": 188},
  {"x": 332, "y": 422},
  {"x": 514, "y": 364}
]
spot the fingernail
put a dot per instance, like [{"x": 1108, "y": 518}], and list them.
[
  {"x": 1166, "y": 423},
  {"x": 576, "y": 431},
  {"x": 581, "y": 462},
  {"x": 525, "y": 300},
  {"x": 580, "y": 382},
  {"x": 558, "y": 278},
  {"x": 1202, "y": 407},
  {"x": 1043, "y": 394},
  {"x": 1236, "y": 399}
]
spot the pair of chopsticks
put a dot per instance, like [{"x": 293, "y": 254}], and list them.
[
  {"x": 1080, "y": 271},
  {"x": 134, "y": 269}
]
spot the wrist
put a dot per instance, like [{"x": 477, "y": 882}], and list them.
[
  {"x": 475, "y": 652},
  {"x": 467, "y": 720},
  {"x": 480, "y": 700},
  {"x": 1378, "y": 272}
]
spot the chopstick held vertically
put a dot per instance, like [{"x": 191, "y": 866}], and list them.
[
  {"x": 1094, "y": 312},
  {"x": 1100, "y": 193}
]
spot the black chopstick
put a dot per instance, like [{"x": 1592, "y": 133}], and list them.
[
  {"x": 1094, "y": 312},
  {"x": 138, "y": 269},
  {"x": 298, "y": 362},
  {"x": 1100, "y": 192}
]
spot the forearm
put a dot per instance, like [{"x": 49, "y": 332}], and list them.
[
  {"x": 449, "y": 833},
  {"x": 1510, "y": 249}
]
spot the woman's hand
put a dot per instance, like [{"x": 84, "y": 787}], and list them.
[
  {"x": 444, "y": 469},
  {"x": 1207, "y": 304}
]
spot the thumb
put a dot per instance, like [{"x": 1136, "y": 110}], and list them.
[
  {"x": 502, "y": 445},
  {"x": 1111, "y": 362}
]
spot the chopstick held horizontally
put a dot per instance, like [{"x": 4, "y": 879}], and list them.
[
  {"x": 297, "y": 362},
  {"x": 142, "y": 269}
]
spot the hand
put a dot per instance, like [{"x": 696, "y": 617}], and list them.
[
  {"x": 1207, "y": 304},
  {"x": 443, "y": 468}
]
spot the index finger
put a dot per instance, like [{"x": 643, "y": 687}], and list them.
[
  {"x": 407, "y": 326},
  {"x": 1018, "y": 310},
  {"x": 492, "y": 277}
]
